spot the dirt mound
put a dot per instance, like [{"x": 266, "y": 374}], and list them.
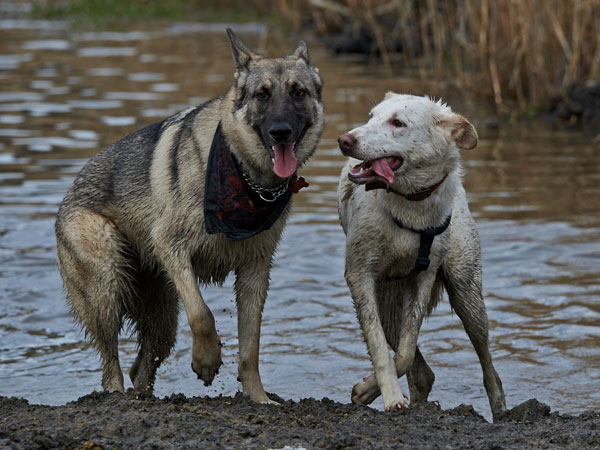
[{"x": 105, "y": 421}]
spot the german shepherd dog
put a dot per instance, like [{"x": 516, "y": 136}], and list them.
[
  {"x": 409, "y": 234},
  {"x": 133, "y": 230}
]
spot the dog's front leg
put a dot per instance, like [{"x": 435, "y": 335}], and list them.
[
  {"x": 362, "y": 288},
  {"x": 206, "y": 346},
  {"x": 251, "y": 286}
]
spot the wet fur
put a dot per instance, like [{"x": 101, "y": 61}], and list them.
[
  {"x": 391, "y": 312},
  {"x": 131, "y": 235}
]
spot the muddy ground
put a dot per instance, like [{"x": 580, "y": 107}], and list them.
[{"x": 110, "y": 421}]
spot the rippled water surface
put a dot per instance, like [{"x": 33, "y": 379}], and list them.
[{"x": 535, "y": 194}]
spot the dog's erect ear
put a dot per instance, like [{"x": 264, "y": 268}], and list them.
[
  {"x": 301, "y": 52},
  {"x": 388, "y": 95},
  {"x": 242, "y": 54},
  {"x": 461, "y": 131}
]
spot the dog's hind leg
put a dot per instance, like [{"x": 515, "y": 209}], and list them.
[
  {"x": 464, "y": 290},
  {"x": 154, "y": 317},
  {"x": 91, "y": 263},
  {"x": 420, "y": 378}
]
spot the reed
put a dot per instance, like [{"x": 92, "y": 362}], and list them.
[
  {"x": 513, "y": 51},
  {"x": 523, "y": 51}
]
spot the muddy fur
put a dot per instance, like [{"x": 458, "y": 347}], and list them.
[
  {"x": 425, "y": 138},
  {"x": 131, "y": 235}
]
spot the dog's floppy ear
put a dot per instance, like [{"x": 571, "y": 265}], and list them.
[
  {"x": 388, "y": 95},
  {"x": 301, "y": 52},
  {"x": 242, "y": 54},
  {"x": 461, "y": 131}
]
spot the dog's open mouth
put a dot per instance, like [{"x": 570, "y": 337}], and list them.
[
  {"x": 382, "y": 168},
  {"x": 284, "y": 159},
  {"x": 283, "y": 156}
]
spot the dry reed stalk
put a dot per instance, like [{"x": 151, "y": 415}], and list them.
[
  {"x": 378, "y": 37},
  {"x": 527, "y": 50},
  {"x": 405, "y": 13},
  {"x": 493, "y": 67}
]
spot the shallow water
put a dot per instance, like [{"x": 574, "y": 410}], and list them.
[{"x": 535, "y": 194}]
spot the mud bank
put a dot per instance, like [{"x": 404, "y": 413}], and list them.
[
  {"x": 110, "y": 421},
  {"x": 578, "y": 106}
]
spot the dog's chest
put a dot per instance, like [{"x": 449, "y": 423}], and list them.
[
  {"x": 405, "y": 252},
  {"x": 401, "y": 250},
  {"x": 217, "y": 257}
]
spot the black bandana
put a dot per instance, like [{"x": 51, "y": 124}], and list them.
[{"x": 230, "y": 206}]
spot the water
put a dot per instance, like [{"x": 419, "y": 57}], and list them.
[{"x": 535, "y": 194}]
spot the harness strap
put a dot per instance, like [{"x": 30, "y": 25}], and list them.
[{"x": 426, "y": 241}]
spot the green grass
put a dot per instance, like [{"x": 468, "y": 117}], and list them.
[{"x": 111, "y": 13}]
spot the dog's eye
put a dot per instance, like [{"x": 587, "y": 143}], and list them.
[
  {"x": 398, "y": 123},
  {"x": 299, "y": 93},
  {"x": 262, "y": 95}
]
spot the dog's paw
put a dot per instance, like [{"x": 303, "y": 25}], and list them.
[
  {"x": 206, "y": 361},
  {"x": 395, "y": 404},
  {"x": 253, "y": 389},
  {"x": 268, "y": 401},
  {"x": 364, "y": 393},
  {"x": 206, "y": 374}
]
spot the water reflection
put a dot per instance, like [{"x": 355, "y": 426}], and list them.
[{"x": 535, "y": 194}]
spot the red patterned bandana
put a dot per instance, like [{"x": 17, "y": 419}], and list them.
[{"x": 231, "y": 206}]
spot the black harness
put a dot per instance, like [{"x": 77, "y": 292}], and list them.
[{"x": 427, "y": 235}]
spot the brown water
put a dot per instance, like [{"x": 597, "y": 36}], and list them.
[{"x": 535, "y": 194}]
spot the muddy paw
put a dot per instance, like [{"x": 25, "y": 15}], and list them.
[
  {"x": 253, "y": 388},
  {"x": 268, "y": 401},
  {"x": 364, "y": 393},
  {"x": 206, "y": 374},
  {"x": 396, "y": 403},
  {"x": 206, "y": 361}
]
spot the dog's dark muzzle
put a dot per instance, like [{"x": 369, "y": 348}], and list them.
[{"x": 280, "y": 132}]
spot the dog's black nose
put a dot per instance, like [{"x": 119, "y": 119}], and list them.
[
  {"x": 280, "y": 132},
  {"x": 346, "y": 142}
]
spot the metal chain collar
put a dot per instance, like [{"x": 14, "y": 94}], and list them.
[{"x": 267, "y": 194}]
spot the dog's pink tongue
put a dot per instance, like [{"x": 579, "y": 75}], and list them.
[
  {"x": 382, "y": 168},
  {"x": 285, "y": 160}
]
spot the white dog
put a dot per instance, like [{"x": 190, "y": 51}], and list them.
[{"x": 409, "y": 235}]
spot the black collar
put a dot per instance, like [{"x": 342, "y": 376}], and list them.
[
  {"x": 415, "y": 196},
  {"x": 427, "y": 236}
]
